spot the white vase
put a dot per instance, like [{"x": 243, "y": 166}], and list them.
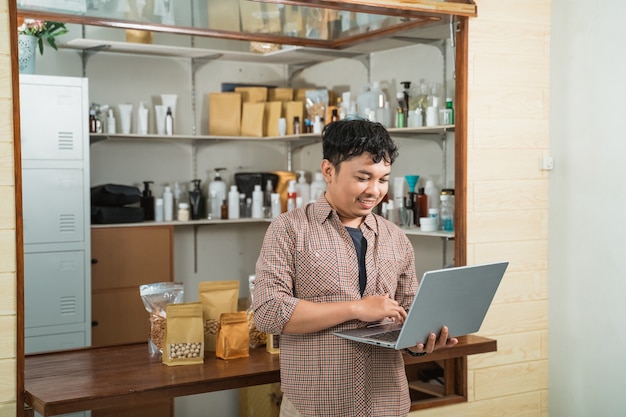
[{"x": 27, "y": 49}]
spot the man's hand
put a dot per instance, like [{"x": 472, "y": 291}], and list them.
[
  {"x": 433, "y": 343},
  {"x": 379, "y": 307}
]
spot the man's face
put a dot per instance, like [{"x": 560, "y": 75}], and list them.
[{"x": 356, "y": 187}]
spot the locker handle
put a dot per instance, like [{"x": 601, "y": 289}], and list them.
[
  {"x": 94, "y": 261},
  {"x": 94, "y": 323}
]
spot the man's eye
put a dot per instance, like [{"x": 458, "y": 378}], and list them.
[
  {"x": 384, "y": 180},
  {"x": 362, "y": 179}
]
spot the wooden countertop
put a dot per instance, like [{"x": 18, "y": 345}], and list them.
[{"x": 95, "y": 378}]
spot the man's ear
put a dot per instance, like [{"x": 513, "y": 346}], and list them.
[{"x": 328, "y": 169}]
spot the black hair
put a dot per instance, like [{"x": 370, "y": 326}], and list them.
[{"x": 346, "y": 139}]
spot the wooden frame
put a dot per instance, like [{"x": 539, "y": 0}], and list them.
[{"x": 459, "y": 365}]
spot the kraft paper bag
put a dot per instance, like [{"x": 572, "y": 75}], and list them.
[
  {"x": 252, "y": 119},
  {"x": 273, "y": 112},
  {"x": 280, "y": 94},
  {"x": 299, "y": 94},
  {"x": 224, "y": 114},
  {"x": 223, "y": 15},
  {"x": 293, "y": 109},
  {"x": 252, "y": 94}
]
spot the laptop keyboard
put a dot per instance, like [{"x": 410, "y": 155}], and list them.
[{"x": 390, "y": 336}]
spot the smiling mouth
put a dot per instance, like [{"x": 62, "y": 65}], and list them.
[{"x": 369, "y": 203}]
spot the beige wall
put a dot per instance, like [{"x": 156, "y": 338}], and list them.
[
  {"x": 507, "y": 207},
  {"x": 508, "y": 202},
  {"x": 7, "y": 226}
]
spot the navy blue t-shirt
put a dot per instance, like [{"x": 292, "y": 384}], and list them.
[{"x": 360, "y": 243}]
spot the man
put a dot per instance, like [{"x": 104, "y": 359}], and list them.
[{"x": 333, "y": 265}]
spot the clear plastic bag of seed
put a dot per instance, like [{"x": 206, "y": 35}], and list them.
[{"x": 155, "y": 298}]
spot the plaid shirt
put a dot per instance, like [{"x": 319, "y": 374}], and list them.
[{"x": 308, "y": 254}]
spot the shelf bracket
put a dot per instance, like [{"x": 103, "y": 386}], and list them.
[
  {"x": 295, "y": 69},
  {"x": 199, "y": 62},
  {"x": 85, "y": 54}
]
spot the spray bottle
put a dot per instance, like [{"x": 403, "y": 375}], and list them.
[
  {"x": 196, "y": 201},
  {"x": 218, "y": 185}
]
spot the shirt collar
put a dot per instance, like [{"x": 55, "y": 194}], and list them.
[{"x": 323, "y": 211}]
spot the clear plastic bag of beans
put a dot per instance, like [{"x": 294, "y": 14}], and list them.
[{"x": 155, "y": 298}]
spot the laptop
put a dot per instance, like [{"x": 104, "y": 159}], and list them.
[{"x": 455, "y": 297}]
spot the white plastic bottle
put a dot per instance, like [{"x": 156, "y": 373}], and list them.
[
  {"x": 111, "y": 122},
  {"x": 303, "y": 188},
  {"x": 158, "y": 209},
  {"x": 233, "y": 203},
  {"x": 432, "y": 194},
  {"x": 168, "y": 204},
  {"x": 318, "y": 186},
  {"x": 257, "y": 202},
  {"x": 276, "y": 206},
  {"x": 219, "y": 186},
  {"x": 317, "y": 125},
  {"x": 380, "y": 104},
  {"x": 214, "y": 205},
  {"x": 291, "y": 195}
]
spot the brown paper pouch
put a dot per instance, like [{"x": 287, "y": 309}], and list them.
[
  {"x": 184, "y": 335},
  {"x": 273, "y": 111},
  {"x": 224, "y": 114},
  {"x": 293, "y": 109},
  {"x": 233, "y": 338},
  {"x": 217, "y": 297},
  {"x": 252, "y": 119},
  {"x": 280, "y": 94},
  {"x": 252, "y": 94}
]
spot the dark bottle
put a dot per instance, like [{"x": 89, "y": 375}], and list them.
[
  {"x": 334, "y": 116},
  {"x": 93, "y": 122},
  {"x": 421, "y": 205},
  {"x": 147, "y": 201},
  {"x": 224, "y": 210},
  {"x": 196, "y": 201},
  {"x": 296, "y": 125}
]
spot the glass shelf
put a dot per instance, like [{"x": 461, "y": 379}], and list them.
[{"x": 321, "y": 23}]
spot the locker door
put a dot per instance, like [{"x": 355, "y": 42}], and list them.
[
  {"x": 54, "y": 288},
  {"x": 51, "y": 123},
  {"x": 53, "y": 206}
]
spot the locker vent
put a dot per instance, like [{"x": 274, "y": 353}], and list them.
[
  {"x": 66, "y": 141},
  {"x": 67, "y": 223},
  {"x": 68, "y": 305}
]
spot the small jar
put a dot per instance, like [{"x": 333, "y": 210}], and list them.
[{"x": 183, "y": 212}]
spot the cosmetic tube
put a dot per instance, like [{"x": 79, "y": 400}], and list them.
[{"x": 126, "y": 113}]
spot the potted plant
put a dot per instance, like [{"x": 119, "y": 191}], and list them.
[{"x": 32, "y": 33}]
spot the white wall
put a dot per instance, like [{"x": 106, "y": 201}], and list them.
[{"x": 587, "y": 200}]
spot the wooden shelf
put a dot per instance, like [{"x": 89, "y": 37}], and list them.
[{"x": 97, "y": 378}]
